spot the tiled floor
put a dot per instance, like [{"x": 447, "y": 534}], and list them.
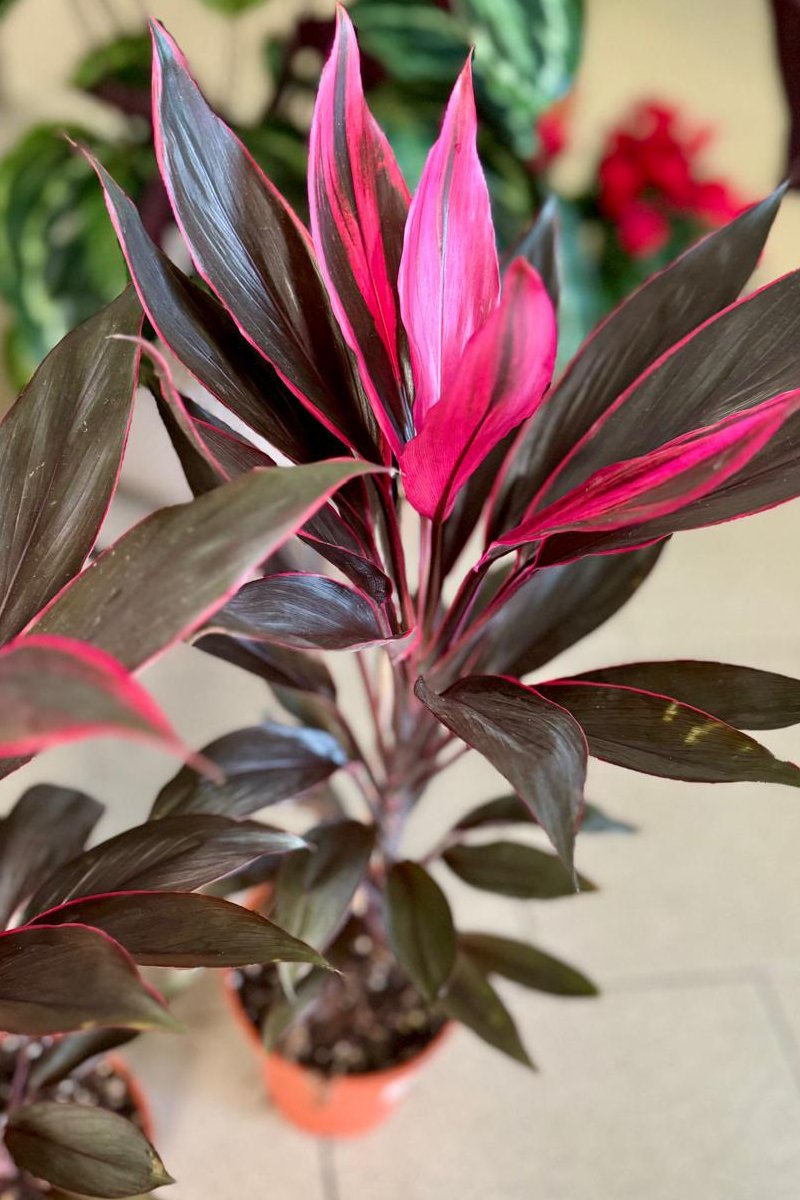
[{"x": 682, "y": 1082}]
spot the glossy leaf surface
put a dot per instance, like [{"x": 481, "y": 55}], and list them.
[
  {"x": 524, "y": 964},
  {"x": 513, "y": 869}
]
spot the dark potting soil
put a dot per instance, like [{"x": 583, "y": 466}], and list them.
[
  {"x": 368, "y": 1018},
  {"x": 97, "y": 1086}
]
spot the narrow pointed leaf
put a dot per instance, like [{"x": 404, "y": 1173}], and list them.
[
  {"x": 307, "y": 612},
  {"x": 539, "y": 247},
  {"x": 66, "y": 1054},
  {"x": 46, "y": 827},
  {"x": 524, "y": 964},
  {"x": 177, "y": 854},
  {"x": 182, "y": 929},
  {"x": 667, "y": 308},
  {"x": 76, "y": 410},
  {"x": 276, "y": 664},
  {"x": 315, "y": 887},
  {"x": 510, "y": 810},
  {"x": 449, "y": 278},
  {"x": 261, "y": 765},
  {"x": 472, "y": 1001},
  {"x": 741, "y": 696},
  {"x": 55, "y": 690},
  {"x": 512, "y": 869},
  {"x": 661, "y": 736},
  {"x": 43, "y": 983},
  {"x": 84, "y": 1149},
  {"x": 185, "y": 561},
  {"x": 503, "y": 374},
  {"x": 359, "y": 203},
  {"x": 251, "y": 249},
  {"x": 419, "y": 925},
  {"x": 536, "y": 745}
]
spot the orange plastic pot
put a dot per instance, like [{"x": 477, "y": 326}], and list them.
[{"x": 345, "y": 1107}]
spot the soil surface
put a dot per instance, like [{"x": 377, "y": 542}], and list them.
[
  {"x": 368, "y": 1018},
  {"x": 96, "y": 1085}
]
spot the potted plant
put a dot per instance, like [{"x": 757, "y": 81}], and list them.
[{"x": 387, "y": 339}]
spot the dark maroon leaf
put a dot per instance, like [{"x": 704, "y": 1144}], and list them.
[
  {"x": 510, "y": 810},
  {"x": 84, "y": 1149},
  {"x": 176, "y": 854},
  {"x": 786, "y": 15},
  {"x": 557, "y": 607},
  {"x": 74, "y": 412},
  {"x": 275, "y": 664},
  {"x": 262, "y": 765},
  {"x": 535, "y": 744},
  {"x": 512, "y": 869},
  {"x": 659, "y": 735},
  {"x": 65, "y": 1054},
  {"x": 307, "y": 612},
  {"x": 468, "y": 509},
  {"x": 419, "y": 926},
  {"x": 46, "y": 827},
  {"x": 669, "y": 306},
  {"x": 251, "y": 249},
  {"x": 315, "y": 887},
  {"x": 539, "y": 247},
  {"x": 741, "y": 696},
  {"x": 182, "y": 929},
  {"x": 43, "y": 983},
  {"x": 184, "y": 561},
  {"x": 472, "y": 1001},
  {"x": 524, "y": 964}
]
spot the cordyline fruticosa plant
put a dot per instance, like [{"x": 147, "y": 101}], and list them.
[{"x": 389, "y": 341}]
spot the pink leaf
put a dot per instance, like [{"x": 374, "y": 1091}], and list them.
[
  {"x": 358, "y": 202},
  {"x": 667, "y": 479},
  {"x": 449, "y": 278},
  {"x": 501, "y": 379}
]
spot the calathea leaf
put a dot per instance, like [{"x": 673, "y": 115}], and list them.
[
  {"x": 512, "y": 869},
  {"x": 84, "y": 1149},
  {"x": 261, "y": 765},
  {"x": 307, "y": 612},
  {"x": 419, "y": 925},
  {"x": 51, "y": 964},
  {"x": 534, "y": 743},
  {"x": 182, "y": 929},
  {"x": 471, "y": 1000},
  {"x": 54, "y": 690},
  {"x": 659, "y": 735},
  {"x": 186, "y": 560},
  {"x": 510, "y": 810},
  {"x": 314, "y": 887},
  {"x": 671, "y": 304},
  {"x": 524, "y": 964},
  {"x": 252, "y": 250},
  {"x": 46, "y": 827},
  {"x": 275, "y": 664},
  {"x": 76, "y": 410},
  {"x": 176, "y": 854},
  {"x": 741, "y": 696}
]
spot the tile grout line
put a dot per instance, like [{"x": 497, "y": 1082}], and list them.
[
  {"x": 327, "y": 1169},
  {"x": 775, "y": 1012}
]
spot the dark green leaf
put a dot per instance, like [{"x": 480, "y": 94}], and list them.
[
  {"x": 512, "y": 869},
  {"x": 84, "y": 1149},
  {"x": 419, "y": 925},
  {"x": 509, "y": 810},
  {"x": 524, "y": 964},
  {"x": 472, "y": 1000}
]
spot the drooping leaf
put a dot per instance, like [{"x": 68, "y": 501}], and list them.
[
  {"x": 84, "y": 1149},
  {"x": 669, "y": 306},
  {"x": 262, "y": 765},
  {"x": 512, "y": 869},
  {"x": 419, "y": 926},
  {"x": 661, "y": 736},
  {"x": 741, "y": 696},
  {"x": 186, "y": 560},
  {"x": 524, "y": 964},
  {"x": 536, "y": 745},
  {"x": 449, "y": 277},
  {"x": 55, "y": 690},
  {"x": 182, "y": 929},
  {"x": 276, "y": 664},
  {"x": 472, "y": 1001},
  {"x": 359, "y": 202},
  {"x": 306, "y": 612},
  {"x": 510, "y": 810},
  {"x": 176, "y": 854},
  {"x": 76, "y": 410},
  {"x": 314, "y": 887},
  {"x": 43, "y": 983},
  {"x": 46, "y": 827},
  {"x": 252, "y": 250}
]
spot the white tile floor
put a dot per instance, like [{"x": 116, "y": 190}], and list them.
[{"x": 681, "y": 1083}]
